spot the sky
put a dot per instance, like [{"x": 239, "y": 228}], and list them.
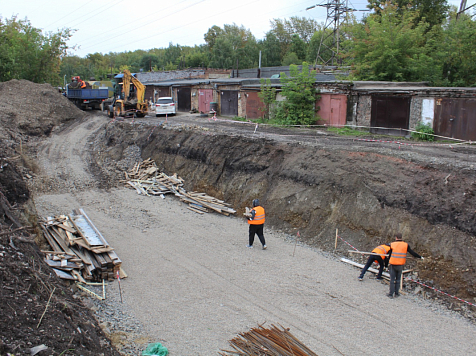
[{"x": 126, "y": 25}]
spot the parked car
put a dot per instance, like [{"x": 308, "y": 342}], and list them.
[{"x": 165, "y": 105}]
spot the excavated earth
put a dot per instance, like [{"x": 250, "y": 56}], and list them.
[{"x": 310, "y": 181}]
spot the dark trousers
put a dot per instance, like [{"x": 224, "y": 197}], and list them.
[
  {"x": 371, "y": 260},
  {"x": 395, "y": 278},
  {"x": 256, "y": 229}
]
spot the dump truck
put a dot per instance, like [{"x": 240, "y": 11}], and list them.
[
  {"x": 81, "y": 94},
  {"x": 87, "y": 98},
  {"x": 129, "y": 100}
]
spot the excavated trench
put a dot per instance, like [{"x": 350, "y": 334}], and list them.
[{"x": 316, "y": 188}]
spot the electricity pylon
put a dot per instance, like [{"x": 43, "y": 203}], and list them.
[{"x": 336, "y": 14}]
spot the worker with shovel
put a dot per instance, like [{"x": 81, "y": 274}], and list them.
[
  {"x": 397, "y": 258},
  {"x": 256, "y": 222},
  {"x": 379, "y": 254}
]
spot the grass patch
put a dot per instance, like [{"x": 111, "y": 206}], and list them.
[{"x": 347, "y": 131}]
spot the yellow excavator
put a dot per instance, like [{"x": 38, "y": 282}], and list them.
[{"x": 130, "y": 101}]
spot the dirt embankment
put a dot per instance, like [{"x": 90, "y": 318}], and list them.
[
  {"x": 319, "y": 186},
  {"x": 36, "y": 307}
]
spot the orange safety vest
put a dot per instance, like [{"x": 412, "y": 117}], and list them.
[
  {"x": 399, "y": 253},
  {"x": 259, "y": 216},
  {"x": 381, "y": 250}
]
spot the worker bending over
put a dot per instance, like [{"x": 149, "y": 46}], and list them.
[{"x": 380, "y": 253}]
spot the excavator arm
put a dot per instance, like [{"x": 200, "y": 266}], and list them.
[{"x": 140, "y": 88}]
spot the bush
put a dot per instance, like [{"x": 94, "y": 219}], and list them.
[{"x": 424, "y": 132}]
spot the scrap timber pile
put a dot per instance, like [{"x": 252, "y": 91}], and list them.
[
  {"x": 267, "y": 342},
  {"x": 78, "y": 250},
  {"x": 146, "y": 179}
]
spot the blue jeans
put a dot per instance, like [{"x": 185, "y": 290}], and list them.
[{"x": 371, "y": 260}]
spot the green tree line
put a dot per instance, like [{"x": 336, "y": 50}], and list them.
[{"x": 398, "y": 40}]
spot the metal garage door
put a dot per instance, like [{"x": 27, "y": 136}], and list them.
[
  {"x": 455, "y": 118},
  {"x": 184, "y": 99},
  {"x": 254, "y": 106},
  {"x": 205, "y": 96},
  {"x": 392, "y": 112},
  {"x": 229, "y": 102}
]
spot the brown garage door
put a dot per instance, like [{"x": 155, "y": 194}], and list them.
[
  {"x": 392, "y": 112},
  {"x": 455, "y": 118},
  {"x": 229, "y": 102},
  {"x": 254, "y": 106},
  {"x": 184, "y": 99}
]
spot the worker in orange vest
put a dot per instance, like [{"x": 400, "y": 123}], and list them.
[
  {"x": 379, "y": 255},
  {"x": 397, "y": 258},
  {"x": 256, "y": 222}
]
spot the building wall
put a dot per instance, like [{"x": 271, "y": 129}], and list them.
[
  {"x": 415, "y": 112},
  {"x": 363, "y": 111}
]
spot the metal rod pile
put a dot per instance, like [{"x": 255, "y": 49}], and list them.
[
  {"x": 146, "y": 179},
  {"x": 260, "y": 341}
]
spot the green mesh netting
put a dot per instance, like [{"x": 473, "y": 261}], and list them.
[{"x": 155, "y": 349}]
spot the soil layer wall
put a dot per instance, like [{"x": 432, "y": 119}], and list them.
[{"x": 367, "y": 196}]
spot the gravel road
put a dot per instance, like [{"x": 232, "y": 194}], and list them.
[{"x": 193, "y": 285}]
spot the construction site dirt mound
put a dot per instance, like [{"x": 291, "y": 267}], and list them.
[{"x": 29, "y": 109}]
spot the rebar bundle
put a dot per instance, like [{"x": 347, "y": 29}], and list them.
[{"x": 260, "y": 341}]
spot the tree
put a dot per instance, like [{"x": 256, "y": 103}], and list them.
[
  {"x": 270, "y": 47},
  {"x": 290, "y": 58},
  {"x": 267, "y": 95},
  {"x": 389, "y": 46},
  {"x": 230, "y": 45},
  {"x": 315, "y": 46},
  {"x": 149, "y": 61},
  {"x": 456, "y": 52},
  {"x": 299, "y": 107},
  {"x": 432, "y": 11},
  {"x": 27, "y": 53},
  {"x": 284, "y": 30},
  {"x": 299, "y": 47}
]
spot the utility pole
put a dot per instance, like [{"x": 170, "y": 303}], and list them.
[
  {"x": 336, "y": 14},
  {"x": 463, "y": 8}
]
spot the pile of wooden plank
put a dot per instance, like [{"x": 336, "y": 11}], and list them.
[
  {"x": 146, "y": 179},
  {"x": 78, "y": 250},
  {"x": 267, "y": 342}
]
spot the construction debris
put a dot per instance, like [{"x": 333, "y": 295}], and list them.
[
  {"x": 78, "y": 250},
  {"x": 146, "y": 179},
  {"x": 267, "y": 342}
]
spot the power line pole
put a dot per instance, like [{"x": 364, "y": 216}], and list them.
[{"x": 336, "y": 14}]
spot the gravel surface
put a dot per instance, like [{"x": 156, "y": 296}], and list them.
[{"x": 193, "y": 285}]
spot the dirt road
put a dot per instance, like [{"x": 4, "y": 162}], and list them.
[{"x": 194, "y": 285}]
